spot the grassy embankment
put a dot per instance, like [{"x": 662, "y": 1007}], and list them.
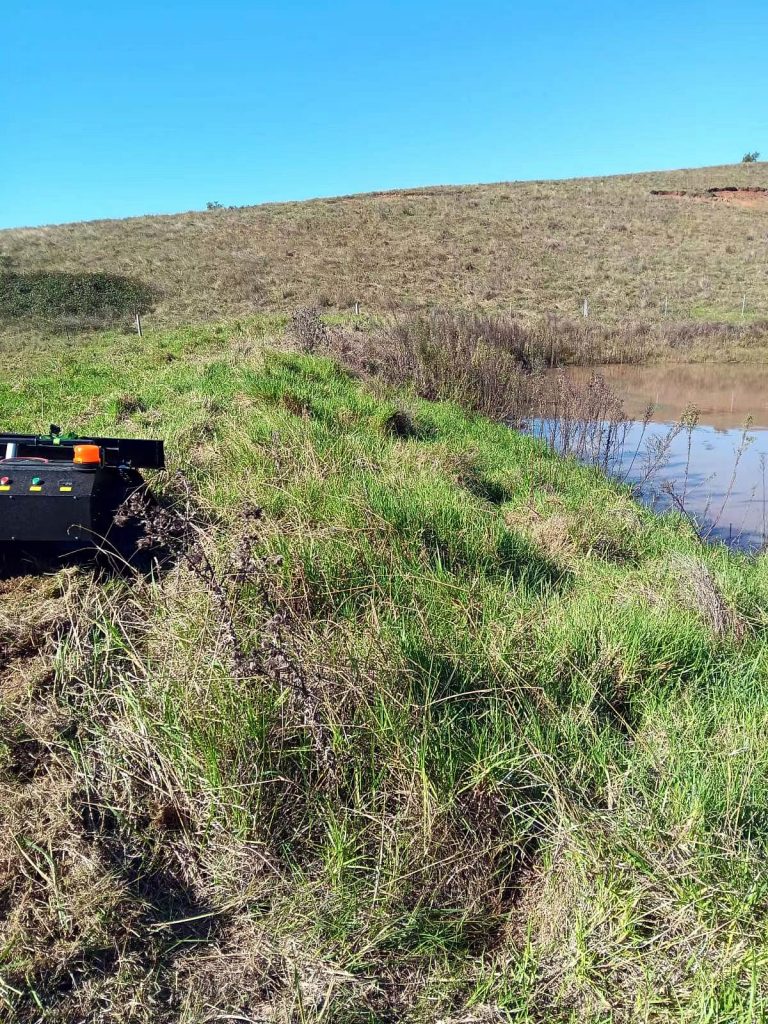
[
  {"x": 668, "y": 273},
  {"x": 454, "y": 731}
]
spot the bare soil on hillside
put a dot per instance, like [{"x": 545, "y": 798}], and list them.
[{"x": 755, "y": 198}]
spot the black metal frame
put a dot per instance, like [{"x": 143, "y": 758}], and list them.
[{"x": 117, "y": 451}]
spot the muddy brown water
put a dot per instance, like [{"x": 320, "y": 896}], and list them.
[{"x": 724, "y": 491}]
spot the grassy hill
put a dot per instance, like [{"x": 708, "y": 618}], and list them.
[
  {"x": 416, "y": 721},
  {"x": 535, "y": 247},
  {"x": 399, "y": 734}
]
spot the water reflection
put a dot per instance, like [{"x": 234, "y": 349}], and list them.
[
  {"x": 716, "y": 472},
  {"x": 725, "y": 394}
]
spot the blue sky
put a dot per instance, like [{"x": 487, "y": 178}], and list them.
[{"x": 112, "y": 109}]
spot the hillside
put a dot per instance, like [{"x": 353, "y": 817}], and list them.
[
  {"x": 535, "y": 247},
  {"x": 396, "y": 733}
]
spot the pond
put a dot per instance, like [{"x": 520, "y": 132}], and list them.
[{"x": 718, "y": 469}]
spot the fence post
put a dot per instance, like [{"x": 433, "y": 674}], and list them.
[
  {"x": 357, "y": 308},
  {"x": 138, "y": 325},
  {"x": 743, "y": 304},
  {"x": 586, "y": 307}
]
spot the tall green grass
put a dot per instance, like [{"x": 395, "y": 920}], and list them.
[{"x": 451, "y": 732}]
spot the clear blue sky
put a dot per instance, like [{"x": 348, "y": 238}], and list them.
[{"x": 111, "y": 109}]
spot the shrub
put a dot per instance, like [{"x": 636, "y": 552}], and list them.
[
  {"x": 63, "y": 299},
  {"x": 472, "y": 359},
  {"x": 309, "y": 331},
  {"x": 750, "y": 158}
]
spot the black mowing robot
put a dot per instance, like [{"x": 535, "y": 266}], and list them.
[{"x": 60, "y": 494}]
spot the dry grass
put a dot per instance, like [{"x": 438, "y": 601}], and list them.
[
  {"x": 539, "y": 248},
  {"x": 419, "y": 741}
]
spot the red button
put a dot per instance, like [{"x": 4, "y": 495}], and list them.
[{"x": 4, "y": 480}]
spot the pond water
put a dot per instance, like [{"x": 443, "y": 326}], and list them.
[{"x": 716, "y": 470}]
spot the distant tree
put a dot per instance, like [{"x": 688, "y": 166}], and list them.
[
  {"x": 214, "y": 206},
  {"x": 750, "y": 158}
]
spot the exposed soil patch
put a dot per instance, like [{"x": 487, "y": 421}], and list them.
[
  {"x": 27, "y": 757},
  {"x": 753, "y": 197}
]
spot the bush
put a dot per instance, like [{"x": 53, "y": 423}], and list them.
[
  {"x": 476, "y": 360},
  {"x": 63, "y": 299},
  {"x": 308, "y": 330},
  {"x": 750, "y": 158}
]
